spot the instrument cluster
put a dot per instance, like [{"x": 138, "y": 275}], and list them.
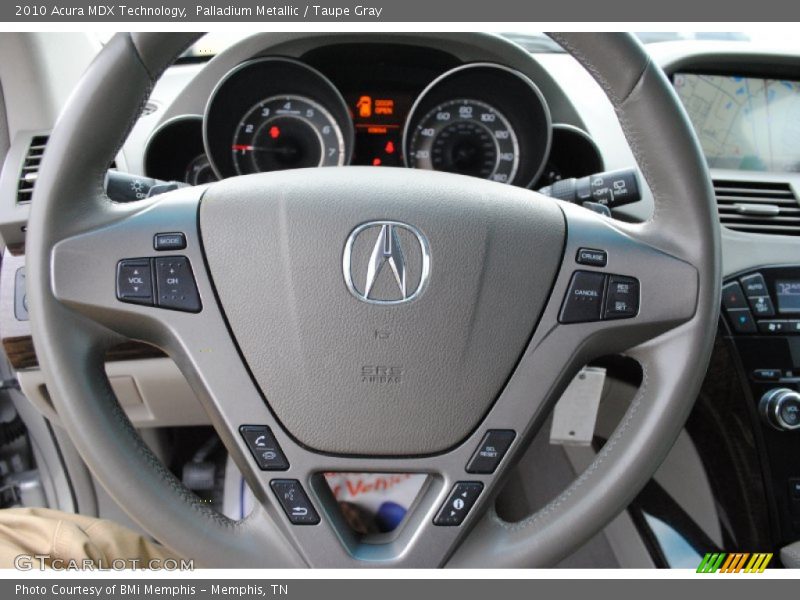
[{"x": 271, "y": 113}]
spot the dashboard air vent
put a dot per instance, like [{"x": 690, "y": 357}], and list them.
[
  {"x": 30, "y": 168},
  {"x": 758, "y": 207}
]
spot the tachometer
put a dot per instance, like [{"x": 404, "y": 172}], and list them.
[
  {"x": 468, "y": 137},
  {"x": 287, "y": 132},
  {"x": 270, "y": 114}
]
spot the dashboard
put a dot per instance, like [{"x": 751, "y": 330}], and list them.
[{"x": 377, "y": 105}]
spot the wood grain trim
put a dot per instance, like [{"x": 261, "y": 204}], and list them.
[{"x": 21, "y": 354}]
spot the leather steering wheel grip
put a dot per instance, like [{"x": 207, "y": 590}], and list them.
[
  {"x": 69, "y": 199},
  {"x": 685, "y": 224}
]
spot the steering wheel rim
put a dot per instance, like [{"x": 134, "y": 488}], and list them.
[{"x": 672, "y": 342}]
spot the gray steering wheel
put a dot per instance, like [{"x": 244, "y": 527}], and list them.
[{"x": 277, "y": 339}]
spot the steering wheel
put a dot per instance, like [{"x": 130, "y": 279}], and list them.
[{"x": 370, "y": 320}]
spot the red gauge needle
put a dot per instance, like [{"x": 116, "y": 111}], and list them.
[{"x": 287, "y": 150}]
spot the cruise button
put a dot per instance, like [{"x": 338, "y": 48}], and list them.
[{"x": 592, "y": 257}]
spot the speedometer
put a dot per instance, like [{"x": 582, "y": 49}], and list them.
[
  {"x": 468, "y": 137},
  {"x": 287, "y": 132},
  {"x": 480, "y": 119}
]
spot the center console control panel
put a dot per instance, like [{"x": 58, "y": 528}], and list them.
[
  {"x": 762, "y": 312},
  {"x": 765, "y": 302}
]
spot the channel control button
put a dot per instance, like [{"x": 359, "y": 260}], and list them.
[
  {"x": 733, "y": 296},
  {"x": 622, "y": 297},
  {"x": 294, "y": 501},
  {"x": 175, "y": 285},
  {"x": 742, "y": 320},
  {"x": 458, "y": 504},
  {"x": 491, "y": 450},
  {"x": 592, "y": 257},
  {"x": 134, "y": 282},
  {"x": 584, "y": 298},
  {"x": 169, "y": 241},
  {"x": 264, "y": 447},
  {"x": 754, "y": 285}
]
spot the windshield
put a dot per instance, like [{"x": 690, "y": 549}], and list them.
[{"x": 534, "y": 41}]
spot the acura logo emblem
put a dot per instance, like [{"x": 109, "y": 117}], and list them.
[{"x": 400, "y": 273}]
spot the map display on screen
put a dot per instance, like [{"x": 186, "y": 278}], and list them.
[{"x": 744, "y": 123}]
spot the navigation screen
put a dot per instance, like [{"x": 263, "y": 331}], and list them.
[{"x": 743, "y": 122}]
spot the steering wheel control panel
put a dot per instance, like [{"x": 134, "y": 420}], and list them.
[
  {"x": 762, "y": 310},
  {"x": 165, "y": 282},
  {"x": 595, "y": 296}
]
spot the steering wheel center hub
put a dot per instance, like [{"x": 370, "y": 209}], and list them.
[{"x": 379, "y": 316}]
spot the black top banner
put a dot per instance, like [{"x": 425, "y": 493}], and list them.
[{"x": 458, "y": 11}]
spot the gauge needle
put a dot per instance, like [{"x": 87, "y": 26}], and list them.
[{"x": 274, "y": 149}]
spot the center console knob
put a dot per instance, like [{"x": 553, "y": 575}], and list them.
[{"x": 780, "y": 407}]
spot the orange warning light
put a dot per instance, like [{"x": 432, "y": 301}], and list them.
[
  {"x": 364, "y": 106},
  {"x": 384, "y": 106}
]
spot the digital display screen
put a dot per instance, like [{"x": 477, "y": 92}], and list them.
[
  {"x": 745, "y": 123},
  {"x": 378, "y": 119},
  {"x": 788, "y": 294}
]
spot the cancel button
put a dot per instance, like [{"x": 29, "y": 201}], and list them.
[{"x": 584, "y": 299}]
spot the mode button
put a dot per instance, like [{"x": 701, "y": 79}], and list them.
[{"x": 169, "y": 241}]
